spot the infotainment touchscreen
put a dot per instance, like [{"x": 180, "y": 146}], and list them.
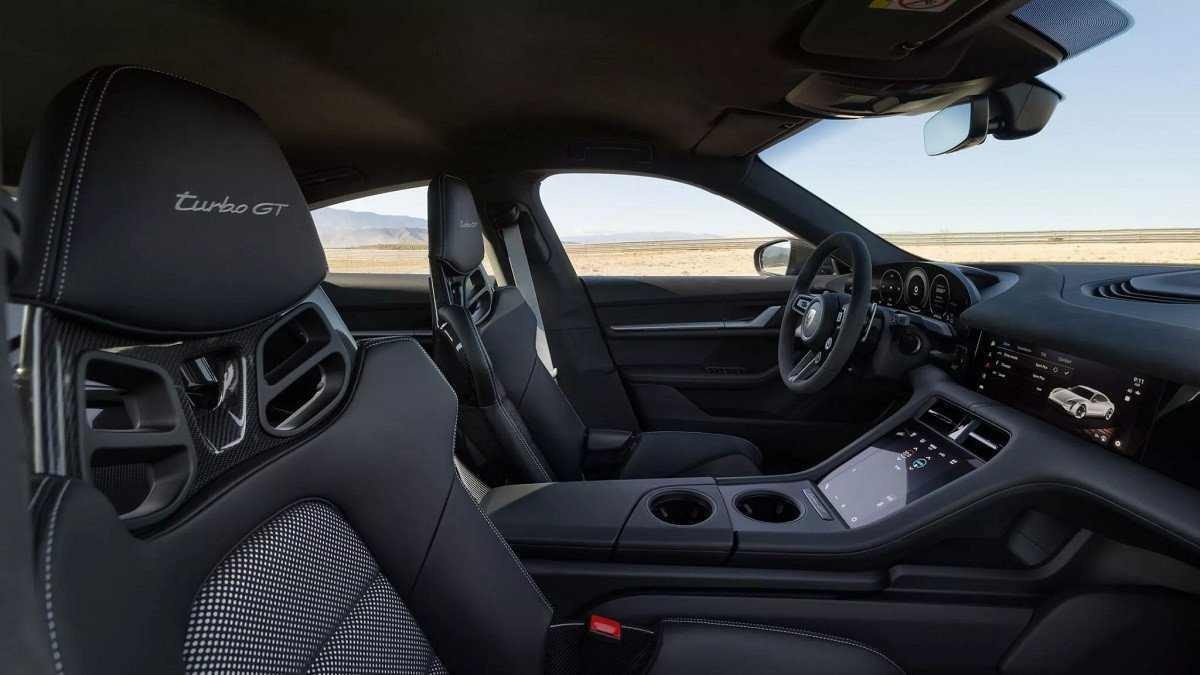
[
  {"x": 1107, "y": 406},
  {"x": 894, "y": 471}
]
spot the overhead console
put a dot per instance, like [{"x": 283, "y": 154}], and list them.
[
  {"x": 892, "y": 57},
  {"x": 1105, "y": 405},
  {"x": 889, "y": 57}
]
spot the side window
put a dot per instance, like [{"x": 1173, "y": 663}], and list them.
[
  {"x": 384, "y": 233},
  {"x": 623, "y": 225}
]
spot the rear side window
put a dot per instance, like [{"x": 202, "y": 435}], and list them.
[
  {"x": 623, "y": 225},
  {"x": 384, "y": 233}
]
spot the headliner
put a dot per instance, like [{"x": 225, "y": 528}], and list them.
[{"x": 371, "y": 95}]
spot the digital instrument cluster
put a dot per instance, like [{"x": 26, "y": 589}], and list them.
[
  {"x": 1107, "y": 406},
  {"x": 924, "y": 289}
]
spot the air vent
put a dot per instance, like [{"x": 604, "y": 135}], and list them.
[
  {"x": 983, "y": 439},
  {"x": 302, "y": 368},
  {"x": 943, "y": 417},
  {"x": 980, "y": 437},
  {"x": 135, "y": 445},
  {"x": 1125, "y": 290}
]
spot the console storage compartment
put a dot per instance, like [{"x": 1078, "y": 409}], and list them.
[{"x": 582, "y": 520}]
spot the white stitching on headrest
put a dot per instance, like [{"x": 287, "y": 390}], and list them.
[
  {"x": 62, "y": 176},
  {"x": 66, "y": 256}
]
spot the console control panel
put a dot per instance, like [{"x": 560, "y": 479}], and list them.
[{"x": 896, "y": 470}]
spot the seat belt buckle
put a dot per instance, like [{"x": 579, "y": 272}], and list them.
[{"x": 604, "y": 627}]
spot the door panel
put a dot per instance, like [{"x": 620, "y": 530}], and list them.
[
  {"x": 699, "y": 354},
  {"x": 376, "y": 305}
]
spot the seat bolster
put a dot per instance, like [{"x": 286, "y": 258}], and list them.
[
  {"x": 672, "y": 454},
  {"x": 470, "y": 355},
  {"x": 100, "y": 590},
  {"x": 523, "y": 455},
  {"x": 703, "y": 646}
]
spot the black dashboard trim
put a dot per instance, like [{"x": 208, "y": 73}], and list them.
[{"x": 1122, "y": 334}]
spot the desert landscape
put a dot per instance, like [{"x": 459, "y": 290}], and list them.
[{"x": 729, "y": 257}]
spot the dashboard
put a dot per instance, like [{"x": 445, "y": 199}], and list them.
[
  {"x": 1077, "y": 378},
  {"x": 1109, "y": 405}
]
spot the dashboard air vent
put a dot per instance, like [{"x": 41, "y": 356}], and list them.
[
  {"x": 980, "y": 437},
  {"x": 943, "y": 417},
  {"x": 1126, "y": 290},
  {"x": 984, "y": 439}
]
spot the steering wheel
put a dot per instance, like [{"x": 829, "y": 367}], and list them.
[{"x": 828, "y": 325}]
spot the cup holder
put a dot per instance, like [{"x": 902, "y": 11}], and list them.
[
  {"x": 768, "y": 507},
  {"x": 681, "y": 508}
]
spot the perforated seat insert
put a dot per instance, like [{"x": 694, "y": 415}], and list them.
[{"x": 303, "y": 594}]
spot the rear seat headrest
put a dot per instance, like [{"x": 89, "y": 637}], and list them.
[
  {"x": 455, "y": 235},
  {"x": 153, "y": 203}
]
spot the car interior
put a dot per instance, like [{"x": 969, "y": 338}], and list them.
[{"x": 223, "y": 453}]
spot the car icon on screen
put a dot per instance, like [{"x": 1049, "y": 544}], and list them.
[{"x": 1083, "y": 402}]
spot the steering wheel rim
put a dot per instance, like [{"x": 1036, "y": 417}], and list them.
[{"x": 829, "y": 324}]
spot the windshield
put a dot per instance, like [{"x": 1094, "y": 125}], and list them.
[{"x": 1114, "y": 177}]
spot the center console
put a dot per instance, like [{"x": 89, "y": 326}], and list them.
[
  {"x": 951, "y": 465},
  {"x": 706, "y": 521}
]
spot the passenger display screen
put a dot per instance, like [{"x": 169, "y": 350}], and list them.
[{"x": 1107, "y": 406}]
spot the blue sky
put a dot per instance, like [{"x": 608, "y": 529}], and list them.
[{"x": 1123, "y": 150}]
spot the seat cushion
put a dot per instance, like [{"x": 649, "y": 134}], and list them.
[
  {"x": 672, "y": 454},
  {"x": 702, "y": 646}
]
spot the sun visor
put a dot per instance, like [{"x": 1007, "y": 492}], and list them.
[
  {"x": 738, "y": 133},
  {"x": 885, "y": 30},
  {"x": 1075, "y": 25}
]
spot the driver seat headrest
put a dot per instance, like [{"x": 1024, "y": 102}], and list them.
[
  {"x": 455, "y": 230},
  {"x": 151, "y": 203}
]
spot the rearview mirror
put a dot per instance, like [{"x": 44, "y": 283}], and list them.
[
  {"x": 1017, "y": 111},
  {"x": 962, "y": 125}
]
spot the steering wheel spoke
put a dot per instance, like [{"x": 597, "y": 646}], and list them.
[
  {"x": 801, "y": 302},
  {"x": 806, "y": 366}
]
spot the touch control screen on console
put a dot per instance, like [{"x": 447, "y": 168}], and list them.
[
  {"x": 896, "y": 470},
  {"x": 1104, "y": 405}
]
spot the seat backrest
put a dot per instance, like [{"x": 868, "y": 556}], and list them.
[
  {"x": 225, "y": 481},
  {"x": 486, "y": 340}
]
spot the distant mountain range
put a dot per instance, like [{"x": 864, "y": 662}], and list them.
[
  {"x": 610, "y": 237},
  {"x": 343, "y": 228}
]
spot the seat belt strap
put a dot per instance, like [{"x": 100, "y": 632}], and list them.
[{"x": 519, "y": 262}]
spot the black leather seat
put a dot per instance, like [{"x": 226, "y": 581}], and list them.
[
  {"x": 331, "y": 535},
  {"x": 486, "y": 341}
]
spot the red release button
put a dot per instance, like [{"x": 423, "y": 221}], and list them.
[{"x": 604, "y": 627}]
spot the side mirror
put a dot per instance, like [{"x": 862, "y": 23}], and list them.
[
  {"x": 962, "y": 125},
  {"x": 781, "y": 257}
]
